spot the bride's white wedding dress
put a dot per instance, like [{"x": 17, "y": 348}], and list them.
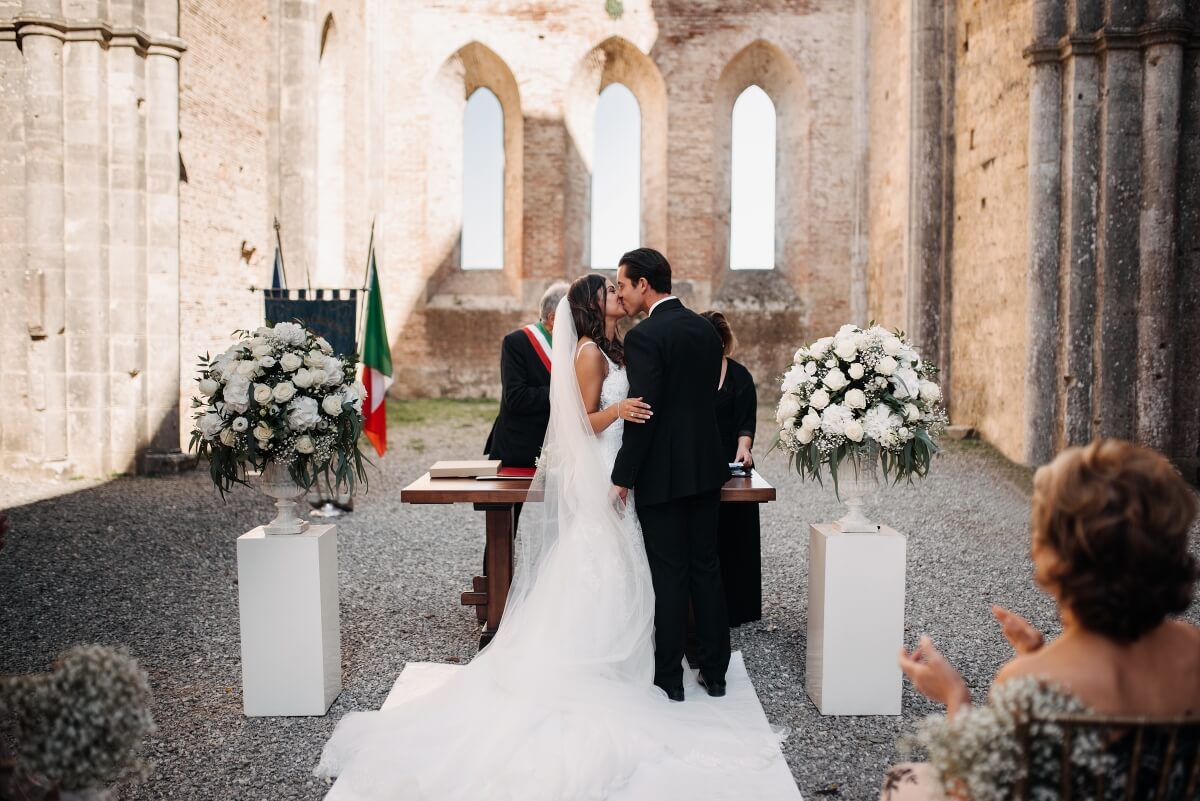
[{"x": 560, "y": 706}]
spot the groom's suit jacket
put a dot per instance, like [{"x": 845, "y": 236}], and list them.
[
  {"x": 520, "y": 428},
  {"x": 673, "y": 360}
]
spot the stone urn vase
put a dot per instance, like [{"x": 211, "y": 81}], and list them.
[
  {"x": 276, "y": 482},
  {"x": 858, "y": 480}
]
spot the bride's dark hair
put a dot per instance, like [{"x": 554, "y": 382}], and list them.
[{"x": 587, "y": 310}]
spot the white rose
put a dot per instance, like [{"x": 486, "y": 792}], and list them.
[
  {"x": 240, "y": 424},
  {"x": 334, "y": 371},
  {"x": 881, "y": 382},
  {"x": 332, "y": 405},
  {"x": 831, "y": 363},
  {"x": 228, "y": 438},
  {"x": 892, "y": 344},
  {"x": 886, "y": 366},
  {"x": 819, "y": 399},
  {"x": 266, "y": 362},
  {"x": 258, "y": 351},
  {"x": 324, "y": 345},
  {"x": 304, "y": 444},
  {"x": 209, "y": 387},
  {"x": 834, "y": 419},
  {"x": 845, "y": 348},
  {"x": 263, "y": 432},
  {"x": 811, "y": 421},
  {"x": 303, "y": 378},
  {"x": 357, "y": 393},
  {"x": 846, "y": 330},
  {"x": 789, "y": 407},
  {"x": 247, "y": 368},
  {"x": 210, "y": 424},
  {"x": 801, "y": 355},
  {"x": 284, "y": 392},
  {"x": 314, "y": 358},
  {"x": 907, "y": 384},
  {"x": 853, "y": 431},
  {"x": 856, "y": 399},
  {"x": 835, "y": 379},
  {"x": 819, "y": 347},
  {"x": 811, "y": 368},
  {"x": 237, "y": 393},
  {"x": 911, "y": 412},
  {"x": 318, "y": 377},
  {"x": 804, "y": 436},
  {"x": 856, "y": 371},
  {"x": 290, "y": 362},
  {"x": 930, "y": 392},
  {"x": 289, "y": 333},
  {"x": 262, "y": 393},
  {"x": 303, "y": 414},
  {"x": 903, "y": 433}
]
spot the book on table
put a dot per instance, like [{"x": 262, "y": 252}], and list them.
[
  {"x": 464, "y": 469},
  {"x": 509, "y": 474}
]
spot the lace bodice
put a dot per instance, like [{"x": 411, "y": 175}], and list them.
[{"x": 614, "y": 389}]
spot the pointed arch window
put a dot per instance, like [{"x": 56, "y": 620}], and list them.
[
  {"x": 483, "y": 182},
  {"x": 752, "y": 182},
  {"x": 616, "y": 208}
]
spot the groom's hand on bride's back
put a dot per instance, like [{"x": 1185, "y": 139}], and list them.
[{"x": 618, "y": 496}]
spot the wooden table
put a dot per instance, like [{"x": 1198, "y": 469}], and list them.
[{"x": 496, "y": 500}]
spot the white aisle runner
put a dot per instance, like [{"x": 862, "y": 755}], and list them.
[{"x": 660, "y": 781}]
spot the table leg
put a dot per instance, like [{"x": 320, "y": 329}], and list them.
[{"x": 499, "y": 524}]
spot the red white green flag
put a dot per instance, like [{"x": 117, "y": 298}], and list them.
[{"x": 377, "y": 364}]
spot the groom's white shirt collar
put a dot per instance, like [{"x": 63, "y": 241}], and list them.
[{"x": 663, "y": 300}]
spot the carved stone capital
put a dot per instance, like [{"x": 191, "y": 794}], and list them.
[{"x": 104, "y": 33}]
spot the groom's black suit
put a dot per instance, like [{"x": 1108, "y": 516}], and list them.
[{"x": 676, "y": 466}]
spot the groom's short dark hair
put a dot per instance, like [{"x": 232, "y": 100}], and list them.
[{"x": 648, "y": 263}]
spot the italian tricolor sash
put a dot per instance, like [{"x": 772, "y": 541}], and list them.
[{"x": 541, "y": 342}]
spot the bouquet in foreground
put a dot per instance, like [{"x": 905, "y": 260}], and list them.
[
  {"x": 863, "y": 394},
  {"x": 279, "y": 395}
]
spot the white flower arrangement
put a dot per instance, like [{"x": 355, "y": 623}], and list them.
[
  {"x": 860, "y": 392},
  {"x": 279, "y": 395},
  {"x": 978, "y": 754},
  {"x": 82, "y": 725}
]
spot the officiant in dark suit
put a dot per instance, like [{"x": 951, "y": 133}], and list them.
[
  {"x": 676, "y": 466},
  {"x": 520, "y": 428}
]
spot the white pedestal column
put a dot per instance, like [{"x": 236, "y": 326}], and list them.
[
  {"x": 291, "y": 634},
  {"x": 855, "y": 620}
]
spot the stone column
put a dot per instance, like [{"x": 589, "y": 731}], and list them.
[
  {"x": 1045, "y": 187},
  {"x": 1166, "y": 35},
  {"x": 298, "y": 58},
  {"x": 861, "y": 245},
  {"x": 127, "y": 256},
  {"x": 42, "y": 45},
  {"x": 164, "y": 376},
  {"x": 86, "y": 214},
  {"x": 1117, "y": 278},
  {"x": 14, "y": 333},
  {"x": 1081, "y": 176},
  {"x": 1187, "y": 300},
  {"x": 927, "y": 177}
]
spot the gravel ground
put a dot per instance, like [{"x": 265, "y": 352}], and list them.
[{"x": 150, "y": 563}]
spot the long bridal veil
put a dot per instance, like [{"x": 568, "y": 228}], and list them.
[{"x": 561, "y": 704}]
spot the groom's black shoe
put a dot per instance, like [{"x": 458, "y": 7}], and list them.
[
  {"x": 673, "y": 693},
  {"x": 714, "y": 687}
]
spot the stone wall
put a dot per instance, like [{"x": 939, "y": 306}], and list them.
[{"x": 990, "y": 207}]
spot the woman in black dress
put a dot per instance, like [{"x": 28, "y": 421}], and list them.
[{"x": 738, "y": 535}]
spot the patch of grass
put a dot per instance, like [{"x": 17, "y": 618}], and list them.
[{"x": 437, "y": 410}]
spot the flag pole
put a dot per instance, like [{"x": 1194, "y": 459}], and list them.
[
  {"x": 370, "y": 250},
  {"x": 279, "y": 247}
]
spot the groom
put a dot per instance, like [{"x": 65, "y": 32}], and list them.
[{"x": 676, "y": 465}]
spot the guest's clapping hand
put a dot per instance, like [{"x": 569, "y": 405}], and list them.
[
  {"x": 934, "y": 677},
  {"x": 1020, "y": 633}
]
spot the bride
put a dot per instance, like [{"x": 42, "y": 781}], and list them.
[{"x": 561, "y": 704}]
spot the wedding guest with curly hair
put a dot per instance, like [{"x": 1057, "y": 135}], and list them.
[{"x": 1110, "y": 546}]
